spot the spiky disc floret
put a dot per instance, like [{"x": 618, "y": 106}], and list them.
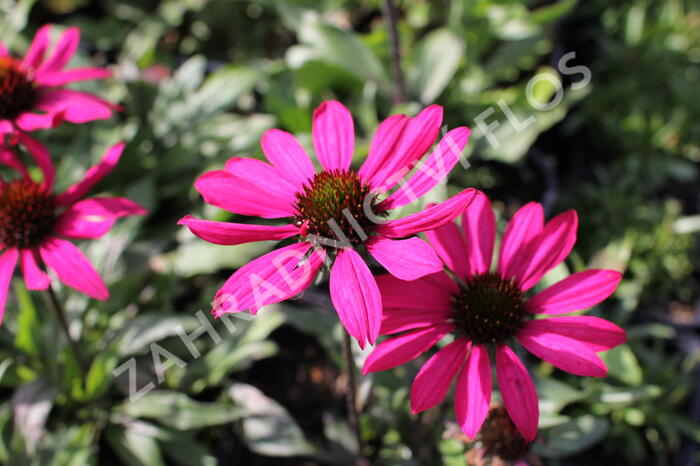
[
  {"x": 488, "y": 309},
  {"x": 325, "y": 198},
  {"x": 27, "y": 213},
  {"x": 17, "y": 90},
  {"x": 501, "y": 438}
]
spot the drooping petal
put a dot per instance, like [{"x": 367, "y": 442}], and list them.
[
  {"x": 576, "y": 292},
  {"x": 562, "y": 352},
  {"x": 35, "y": 121},
  {"x": 417, "y": 137},
  {"x": 333, "y": 135},
  {"x": 271, "y": 278},
  {"x": 93, "y": 176},
  {"x": 382, "y": 148},
  {"x": 92, "y": 218},
  {"x": 448, "y": 243},
  {"x": 61, "y": 78},
  {"x": 72, "y": 267},
  {"x": 227, "y": 234},
  {"x": 8, "y": 262},
  {"x": 479, "y": 227},
  {"x": 596, "y": 333},
  {"x": 430, "y": 218},
  {"x": 356, "y": 297},
  {"x": 554, "y": 244},
  {"x": 407, "y": 259},
  {"x": 76, "y": 106},
  {"x": 403, "y": 348},
  {"x": 432, "y": 171},
  {"x": 522, "y": 231},
  {"x": 34, "y": 277},
  {"x": 37, "y": 50},
  {"x": 241, "y": 196},
  {"x": 64, "y": 50},
  {"x": 262, "y": 174},
  {"x": 42, "y": 158},
  {"x": 473, "y": 393},
  {"x": 435, "y": 377},
  {"x": 286, "y": 154},
  {"x": 518, "y": 392}
]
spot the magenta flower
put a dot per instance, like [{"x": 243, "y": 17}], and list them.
[
  {"x": 35, "y": 222},
  {"x": 486, "y": 309},
  {"x": 36, "y": 84},
  {"x": 333, "y": 214}
]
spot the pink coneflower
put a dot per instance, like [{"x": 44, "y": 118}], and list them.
[
  {"x": 32, "y": 92},
  {"x": 333, "y": 214},
  {"x": 485, "y": 309},
  {"x": 35, "y": 222}
]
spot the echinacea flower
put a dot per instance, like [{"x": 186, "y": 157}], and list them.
[
  {"x": 32, "y": 89},
  {"x": 334, "y": 214},
  {"x": 36, "y": 223},
  {"x": 486, "y": 309}
]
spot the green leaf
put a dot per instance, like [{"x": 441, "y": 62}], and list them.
[
  {"x": 138, "y": 334},
  {"x": 27, "y": 338},
  {"x": 134, "y": 445},
  {"x": 623, "y": 365},
  {"x": 572, "y": 437},
  {"x": 437, "y": 58}
]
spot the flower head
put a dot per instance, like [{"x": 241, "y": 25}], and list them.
[
  {"x": 487, "y": 309},
  {"x": 32, "y": 89},
  {"x": 35, "y": 222},
  {"x": 335, "y": 214}
]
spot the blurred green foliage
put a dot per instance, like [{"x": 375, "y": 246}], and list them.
[{"x": 202, "y": 80}]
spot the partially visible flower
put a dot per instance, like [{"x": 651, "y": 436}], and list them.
[
  {"x": 32, "y": 89},
  {"x": 334, "y": 213},
  {"x": 35, "y": 222},
  {"x": 485, "y": 309},
  {"x": 499, "y": 443}
]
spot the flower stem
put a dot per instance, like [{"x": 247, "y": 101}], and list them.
[
  {"x": 353, "y": 412},
  {"x": 61, "y": 315},
  {"x": 389, "y": 13}
]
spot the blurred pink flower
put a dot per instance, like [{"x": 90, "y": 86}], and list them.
[
  {"x": 289, "y": 187},
  {"x": 484, "y": 308},
  {"x": 34, "y": 222},
  {"x": 32, "y": 90}
]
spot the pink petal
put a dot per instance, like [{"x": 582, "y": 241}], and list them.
[
  {"x": 382, "y": 149},
  {"x": 93, "y": 176},
  {"x": 8, "y": 261},
  {"x": 286, "y": 154},
  {"x": 430, "y": 218},
  {"x": 92, "y": 218},
  {"x": 271, "y": 278},
  {"x": 416, "y": 138},
  {"x": 3, "y": 50},
  {"x": 73, "y": 268},
  {"x": 399, "y": 350},
  {"x": 34, "y": 277},
  {"x": 333, "y": 134},
  {"x": 407, "y": 259},
  {"x": 553, "y": 245},
  {"x": 76, "y": 106},
  {"x": 522, "y": 231},
  {"x": 473, "y": 393},
  {"x": 598, "y": 334},
  {"x": 479, "y": 227},
  {"x": 65, "y": 49},
  {"x": 435, "y": 377},
  {"x": 37, "y": 49},
  {"x": 241, "y": 196},
  {"x": 432, "y": 171},
  {"x": 562, "y": 352},
  {"x": 518, "y": 392},
  {"x": 42, "y": 158},
  {"x": 227, "y": 234},
  {"x": 576, "y": 292},
  {"x": 34, "y": 121},
  {"x": 61, "y": 78},
  {"x": 261, "y": 174},
  {"x": 449, "y": 245},
  {"x": 356, "y": 297}
]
